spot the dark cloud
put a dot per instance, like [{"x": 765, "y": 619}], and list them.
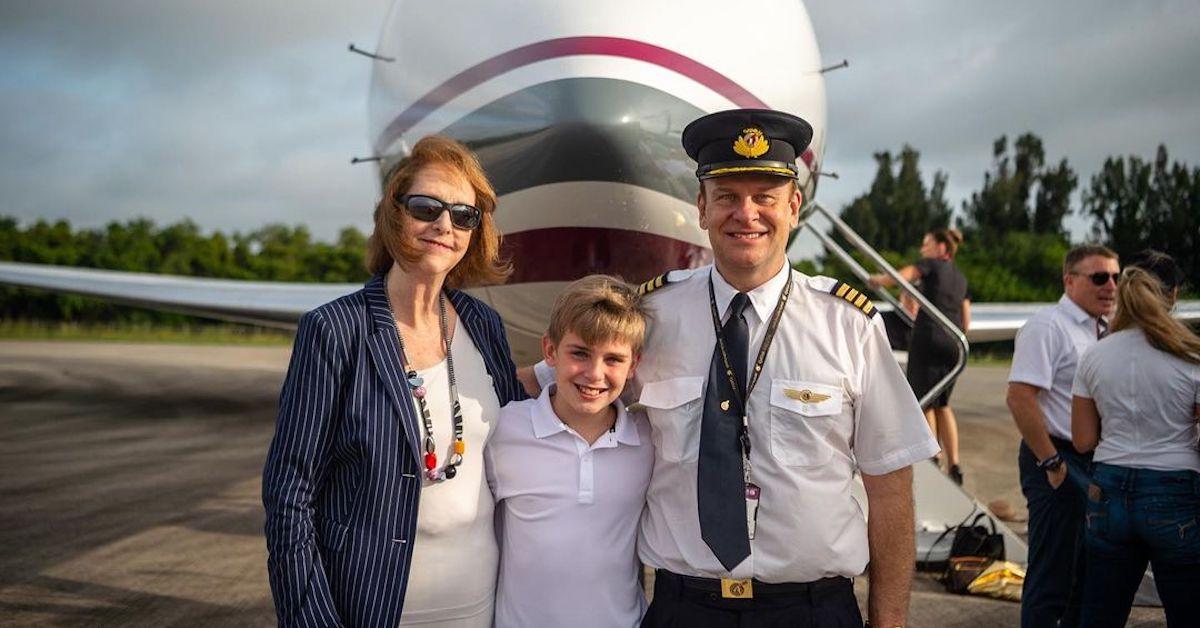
[
  {"x": 236, "y": 114},
  {"x": 232, "y": 114},
  {"x": 1093, "y": 79}
]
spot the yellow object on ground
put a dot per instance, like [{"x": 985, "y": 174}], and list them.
[{"x": 1001, "y": 579}]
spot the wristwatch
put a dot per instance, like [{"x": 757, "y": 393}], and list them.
[{"x": 1052, "y": 463}]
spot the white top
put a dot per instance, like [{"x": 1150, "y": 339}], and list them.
[
  {"x": 803, "y": 455},
  {"x": 568, "y": 515},
  {"x": 452, "y": 582},
  {"x": 1146, "y": 400},
  {"x": 1047, "y": 349}
]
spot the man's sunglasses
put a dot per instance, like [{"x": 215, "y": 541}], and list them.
[
  {"x": 429, "y": 209},
  {"x": 1101, "y": 278}
]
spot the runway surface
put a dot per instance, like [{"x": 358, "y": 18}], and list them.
[{"x": 130, "y": 476}]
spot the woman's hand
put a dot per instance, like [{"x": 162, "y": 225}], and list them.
[{"x": 529, "y": 380}]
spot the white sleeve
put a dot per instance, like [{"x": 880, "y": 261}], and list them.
[
  {"x": 544, "y": 373},
  {"x": 890, "y": 431},
  {"x": 1035, "y": 354},
  {"x": 1084, "y": 374}
]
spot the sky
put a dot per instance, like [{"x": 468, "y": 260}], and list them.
[{"x": 236, "y": 114}]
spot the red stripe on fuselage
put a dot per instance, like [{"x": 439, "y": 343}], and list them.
[
  {"x": 568, "y": 253},
  {"x": 565, "y": 47}
]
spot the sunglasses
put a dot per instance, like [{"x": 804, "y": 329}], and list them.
[
  {"x": 429, "y": 209},
  {"x": 1101, "y": 278}
]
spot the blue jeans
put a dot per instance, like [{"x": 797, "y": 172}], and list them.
[
  {"x": 1054, "y": 576},
  {"x": 1135, "y": 516}
]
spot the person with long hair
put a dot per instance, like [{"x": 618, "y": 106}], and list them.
[
  {"x": 933, "y": 352},
  {"x": 1136, "y": 403},
  {"x": 378, "y": 512}
]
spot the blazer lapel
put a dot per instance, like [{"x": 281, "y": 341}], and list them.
[{"x": 385, "y": 353}]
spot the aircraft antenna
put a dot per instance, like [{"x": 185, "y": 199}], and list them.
[
  {"x": 374, "y": 56},
  {"x": 831, "y": 175},
  {"x": 361, "y": 160},
  {"x": 837, "y": 66}
]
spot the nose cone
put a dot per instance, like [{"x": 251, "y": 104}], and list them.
[{"x": 576, "y": 111}]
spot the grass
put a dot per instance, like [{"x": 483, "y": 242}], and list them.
[
  {"x": 989, "y": 359},
  {"x": 216, "y": 334}
]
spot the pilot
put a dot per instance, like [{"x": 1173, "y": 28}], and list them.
[{"x": 767, "y": 390}]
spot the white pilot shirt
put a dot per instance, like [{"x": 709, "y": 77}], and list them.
[
  {"x": 803, "y": 455},
  {"x": 1045, "y": 355}
]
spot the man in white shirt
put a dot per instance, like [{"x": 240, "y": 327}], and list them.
[
  {"x": 1046, "y": 353},
  {"x": 749, "y": 517}
]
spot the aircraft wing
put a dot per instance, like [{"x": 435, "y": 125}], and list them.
[
  {"x": 994, "y": 322},
  {"x": 269, "y": 303},
  {"x": 281, "y": 304}
]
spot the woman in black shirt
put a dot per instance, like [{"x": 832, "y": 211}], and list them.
[{"x": 933, "y": 351}]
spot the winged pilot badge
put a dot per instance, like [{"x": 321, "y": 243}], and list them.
[{"x": 806, "y": 395}]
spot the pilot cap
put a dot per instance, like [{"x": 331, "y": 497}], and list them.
[{"x": 746, "y": 141}]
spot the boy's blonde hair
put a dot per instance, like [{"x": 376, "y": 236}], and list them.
[{"x": 600, "y": 308}]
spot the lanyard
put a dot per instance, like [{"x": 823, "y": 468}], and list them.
[{"x": 744, "y": 398}]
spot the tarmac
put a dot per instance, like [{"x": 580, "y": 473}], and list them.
[{"x": 130, "y": 486}]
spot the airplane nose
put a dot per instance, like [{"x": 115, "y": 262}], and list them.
[
  {"x": 583, "y": 129},
  {"x": 591, "y": 177}
]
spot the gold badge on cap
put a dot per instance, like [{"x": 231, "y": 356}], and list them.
[
  {"x": 806, "y": 395},
  {"x": 751, "y": 143}
]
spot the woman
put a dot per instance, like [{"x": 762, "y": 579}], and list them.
[
  {"x": 374, "y": 487},
  {"x": 933, "y": 352},
  {"x": 1136, "y": 402}
]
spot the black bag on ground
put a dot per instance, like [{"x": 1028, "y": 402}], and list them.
[
  {"x": 973, "y": 549},
  {"x": 977, "y": 540}
]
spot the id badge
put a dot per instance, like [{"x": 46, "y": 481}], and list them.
[{"x": 753, "y": 492}]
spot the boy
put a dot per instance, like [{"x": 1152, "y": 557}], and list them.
[{"x": 569, "y": 471}]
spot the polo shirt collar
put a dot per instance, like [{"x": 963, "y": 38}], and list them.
[
  {"x": 1072, "y": 310},
  {"x": 762, "y": 298},
  {"x": 546, "y": 423}
]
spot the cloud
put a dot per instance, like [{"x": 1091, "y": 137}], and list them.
[
  {"x": 236, "y": 114},
  {"x": 232, "y": 114},
  {"x": 1092, "y": 79}
]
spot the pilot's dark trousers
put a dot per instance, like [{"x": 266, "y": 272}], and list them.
[
  {"x": 697, "y": 602},
  {"x": 1054, "y": 578}
]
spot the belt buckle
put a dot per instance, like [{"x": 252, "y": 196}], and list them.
[{"x": 737, "y": 589}]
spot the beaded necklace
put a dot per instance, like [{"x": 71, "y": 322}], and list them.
[{"x": 417, "y": 385}]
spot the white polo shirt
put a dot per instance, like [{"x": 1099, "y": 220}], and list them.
[
  {"x": 1045, "y": 355},
  {"x": 1147, "y": 402},
  {"x": 803, "y": 455},
  {"x": 567, "y": 518}
]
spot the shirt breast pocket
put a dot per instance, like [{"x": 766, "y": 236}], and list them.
[
  {"x": 674, "y": 407},
  {"x": 802, "y": 416}
]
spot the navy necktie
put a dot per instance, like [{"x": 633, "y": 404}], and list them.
[{"x": 721, "y": 488}]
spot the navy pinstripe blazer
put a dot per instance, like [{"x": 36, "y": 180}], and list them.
[{"x": 342, "y": 477}]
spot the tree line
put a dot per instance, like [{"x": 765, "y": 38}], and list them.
[
  {"x": 1013, "y": 227},
  {"x": 1013, "y": 224},
  {"x": 272, "y": 253}
]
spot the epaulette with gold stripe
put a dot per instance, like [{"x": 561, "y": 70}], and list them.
[
  {"x": 852, "y": 296},
  {"x": 651, "y": 285}
]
